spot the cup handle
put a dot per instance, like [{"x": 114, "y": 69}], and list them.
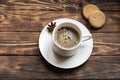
[{"x": 86, "y": 37}]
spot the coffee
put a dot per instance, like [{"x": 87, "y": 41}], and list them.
[{"x": 67, "y": 37}]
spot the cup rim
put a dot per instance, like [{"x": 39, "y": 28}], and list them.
[{"x": 71, "y": 48}]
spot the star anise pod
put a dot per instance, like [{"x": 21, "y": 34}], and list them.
[{"x": 51, "y": 26}]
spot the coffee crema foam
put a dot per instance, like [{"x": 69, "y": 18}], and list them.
[{"x": 67, "y": 37}]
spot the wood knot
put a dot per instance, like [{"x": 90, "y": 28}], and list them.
[{"x": 2, "y": 17}]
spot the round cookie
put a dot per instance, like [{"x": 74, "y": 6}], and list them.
[
  {"x": 97, "y": 19},
  {"x": 2, "y": 17},
  {"x": 88, "y": 9}
]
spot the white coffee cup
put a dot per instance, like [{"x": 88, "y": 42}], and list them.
[{"x": 72, "y": 50}]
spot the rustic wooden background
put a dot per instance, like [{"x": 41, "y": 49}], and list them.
[{"x": 24, "y": 20}]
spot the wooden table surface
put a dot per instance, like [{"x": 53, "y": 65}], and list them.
[{"x": 22, "y": 22}]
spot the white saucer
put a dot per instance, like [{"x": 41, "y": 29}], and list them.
[{"x": 45, "y": 46}]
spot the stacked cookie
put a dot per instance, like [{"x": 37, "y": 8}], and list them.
[{"x": 96, "y": 17}]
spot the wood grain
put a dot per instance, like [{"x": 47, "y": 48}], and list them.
[
  {"x": 109, "y": 5},
  {"x": 35, "y": 67},
  {"x": 33, "y": 15},
  {"x": 20, "y": 57},
  {"x": 57, "y": 5},
  {"x": 35, "y": 21},
  {"x": 26, "y": 43}
]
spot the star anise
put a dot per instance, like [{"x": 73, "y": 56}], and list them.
[{"x": 51, "y": 26}]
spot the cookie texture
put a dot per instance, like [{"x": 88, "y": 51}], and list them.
[
  {"x": 97, "y": 19},
  {"x": 88, "y": 9}
]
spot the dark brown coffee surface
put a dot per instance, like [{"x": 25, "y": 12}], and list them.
[{"x": 67, "y": 37}]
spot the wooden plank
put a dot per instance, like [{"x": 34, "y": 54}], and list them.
[
  {"x": 35, "y": 67},
  {"x": 33, "y": 15},
  {"x": 106, "y": 44},
  {"x": 27, "y": 37},
  {"x": 26, "y": 43},
  {"x": 17, "y": 37},
  {"x": 100, "y": 49},
  {"x": 28, "y": 20},
  {"x": 111, "y": 5},
  {"x": 57, "y": 5}
]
